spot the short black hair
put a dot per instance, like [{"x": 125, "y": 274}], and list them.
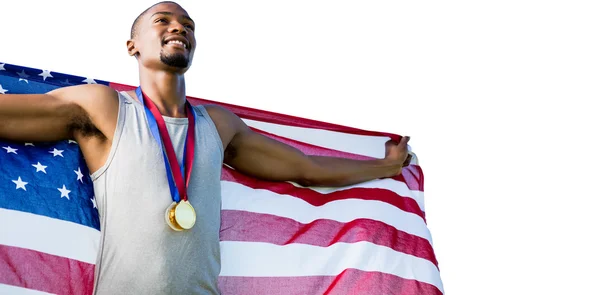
[{"x": 134, "y": 26}]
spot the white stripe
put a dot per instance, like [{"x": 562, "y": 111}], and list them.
[
  {"x": 49, "y": 235},
  {"x": 366, "y": 145},
  {"x": 251, "y": 259},
  {"x": 236, "y": 196},
  {"x": 14, "y": 290},
  {"x": 398, "y": 187}
]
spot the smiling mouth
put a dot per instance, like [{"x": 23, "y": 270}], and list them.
[{"x": 176, "y": 43}]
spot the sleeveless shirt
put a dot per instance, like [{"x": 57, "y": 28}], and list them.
[{"x": 139, "y": 253}]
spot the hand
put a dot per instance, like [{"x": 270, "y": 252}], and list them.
[{"x": 398, "y": 153}]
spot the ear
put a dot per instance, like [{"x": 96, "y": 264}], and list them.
[{"x": 131, "y": 49}]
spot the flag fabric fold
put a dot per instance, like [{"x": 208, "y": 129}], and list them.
[{"x": 276, "y": 237}]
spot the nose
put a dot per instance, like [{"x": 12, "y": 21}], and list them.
[{"x": 177, "y": 27}]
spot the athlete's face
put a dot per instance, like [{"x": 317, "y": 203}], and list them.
[{"x": 165, "y": 38}]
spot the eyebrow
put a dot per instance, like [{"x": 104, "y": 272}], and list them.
[{"x": 170, "y": 13}]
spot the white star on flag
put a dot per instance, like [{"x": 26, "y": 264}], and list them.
[
  {"x": 20, "y": 183},
  {"x": 29, "y": 143},
  {"x": 10, "y": 150},
  {"x": 89, "y": 81},
  {"x": 79, "y": 174},
  {"x": 45, "y": 74},
  {"x": 2, "y": 67},
  {"x": 56, "y": 152},
  {"x": 23, "y": 76},
  {"x": 39, "y": 167},
  {"x": 93, "y": 199},
  {"x": 2, "y": 90},
  {"x": 64, "y": 192}
]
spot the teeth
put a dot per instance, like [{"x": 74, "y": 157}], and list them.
[{"x": 177, "y": 42}]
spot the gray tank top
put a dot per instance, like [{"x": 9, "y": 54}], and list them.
[{"x": 139, "y": 253}]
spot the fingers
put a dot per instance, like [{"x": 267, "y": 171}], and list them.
[
  {"x": 404, "y": 142},
  {"x": 404, "y": 146},
  {"x": 390, "y": 143}
]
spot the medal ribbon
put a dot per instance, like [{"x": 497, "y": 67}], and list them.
[{"x": 159, "y": 131}]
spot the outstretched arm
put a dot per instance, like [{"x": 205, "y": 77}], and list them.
[
  {"x": 265, "y": 158},
  {"x": 86, "y": 113},
  {"x": 56, "y": 115}
]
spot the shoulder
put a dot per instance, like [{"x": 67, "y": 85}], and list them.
[
  {"x": 85, "y": 92},
  {"x": 93, "y": 108},
  {"x": 92, "y": 98},
  {"x": 217, "y": 110},
  {"x": 228, "y": 124},
  {"x": 221, "y": 115}
]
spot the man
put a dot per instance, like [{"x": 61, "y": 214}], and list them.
[{"x": 160, "y": 229}]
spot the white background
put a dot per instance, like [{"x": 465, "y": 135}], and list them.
[{"x": 500, "y": 99}]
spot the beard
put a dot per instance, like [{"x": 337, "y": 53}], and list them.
[{"x": 177, "y": 60}]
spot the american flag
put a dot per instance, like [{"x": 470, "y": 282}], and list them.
[{"x": 276, "y": 237}]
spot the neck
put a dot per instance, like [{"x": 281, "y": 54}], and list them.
[{"x": 166, "y": 90}]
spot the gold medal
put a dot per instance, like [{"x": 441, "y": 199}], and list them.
[
  {"x": 185, "y": 215},
  {"x": 170, "y": 217},
  {"x": 180, "y": 216}
]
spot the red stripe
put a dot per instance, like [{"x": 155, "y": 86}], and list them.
[
  {"x": 350, "y": 281},
  {"x": 413, "y": 177},
  {"x": 318, "y": 199},
  {"x": 272, "y": 117},
  {"x": 256, "y": 227},
  {"x": 44, "y": 272}
]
